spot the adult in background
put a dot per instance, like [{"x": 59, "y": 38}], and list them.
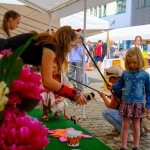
[
  {"x": 52, "y": 31},
  {"x": 42, "y": 51},
  {"x": 76, "y": 59},
  {"x": 138, "y": 40},
  {"x": 95, "y": 56},
  {"x": 10, "y": 21},
  {"x": 90, "y": 51},
  {"x": 99, "y": 53},
  {"x": 104, "y": 50}
]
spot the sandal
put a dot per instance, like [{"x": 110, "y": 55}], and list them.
[
  {"x": 57, "y": 115},
  {"x": 45, "y": 118}
]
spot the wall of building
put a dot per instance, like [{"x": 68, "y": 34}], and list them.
[
  {"x": 119, "y": 20},
  {"x": 140, "y": 12}
]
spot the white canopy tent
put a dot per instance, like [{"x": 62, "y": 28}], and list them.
[
  {"x": 62, "y": 8},
  {"x": 57, "y": 9},
  {"x": 94, "y": 25},
  {"x": 128, "y": 33},
  {"x": 31, "y": 19}
]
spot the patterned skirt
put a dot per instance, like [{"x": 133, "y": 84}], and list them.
[{"x": 131, "y": 110}]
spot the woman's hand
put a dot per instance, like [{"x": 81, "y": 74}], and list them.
[
  {"x": 110, "y": 87},
  {"x": 80, "y": 99}
]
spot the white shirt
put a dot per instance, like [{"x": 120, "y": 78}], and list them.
[
  {"x": 3, "y": 34},
  {"x": 141, "y": 47}
]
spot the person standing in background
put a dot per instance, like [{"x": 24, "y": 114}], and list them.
[
  {"x": 95, "y": 56},
  {"x": 90, "y": 51},
  {"x": 10, "y": 21},
  {"x": 52, "y": 31},
  {"x": 138, "y": 40},
  {"x": 99, "y": 53},
  {"x": 76, "y": 62}
]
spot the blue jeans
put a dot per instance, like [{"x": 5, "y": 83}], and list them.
[
  {"x": 95, "y": 60},
  {"x": 113, "y": 117},
  {"x": 86, "y": 77}
]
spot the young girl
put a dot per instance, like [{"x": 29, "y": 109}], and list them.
[
  {"x": 134, "y": 81},
  {"x": 57, "y": 103},
  {"x": 10, "y": 21}
]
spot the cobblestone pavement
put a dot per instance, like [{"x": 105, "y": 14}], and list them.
[{"x": 94, "y": 121}]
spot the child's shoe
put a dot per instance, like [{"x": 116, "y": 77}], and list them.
[
  {"x": 118, "y": 139},
  {"x": 135, "y": 148},
  {"x": 123, "y": 148}
]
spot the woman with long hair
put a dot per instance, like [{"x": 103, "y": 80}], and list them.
[{"x": 42, "y": 51}]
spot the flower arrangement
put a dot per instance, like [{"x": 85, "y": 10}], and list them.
[{"x": 19, "y": 93}]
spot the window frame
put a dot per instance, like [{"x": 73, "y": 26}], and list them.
[
  {"x": 100, "y": 12},
  {"x": 91, "y": 10},
  {"x": 121, "y": 7},
  {"x": 104, "y": 11},
  {"x": 143, "y": 5},
  {"x": 95, "y": 11}
]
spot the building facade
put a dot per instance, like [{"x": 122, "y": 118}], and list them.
[{"x": 124, "y": 13}]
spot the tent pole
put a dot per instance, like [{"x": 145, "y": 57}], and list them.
[
  {"x": 108, "y": 43},
  {"x": 84, "y": 32},
  {"x": 49, "y": 23}
]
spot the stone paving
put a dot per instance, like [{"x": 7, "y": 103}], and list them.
[{"x": 94, "y": 121}]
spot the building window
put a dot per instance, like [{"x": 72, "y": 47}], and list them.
[
  {"x": 121, "y": 6},
  {"x": 143, "y": 3},
  {"x": 104, "y": 13},
  {"x": 95, "y": 11},
  {"x": 91, "y": 11},
  {"x": 147, "y": 3},
  {"x": 100, "y": 12}
]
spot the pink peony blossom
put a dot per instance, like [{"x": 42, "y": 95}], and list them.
[
  {"x": 26, "y": 86},
  {"x": 1, "y": 56},
  {"x": 3, "y": 52},
  {"x": 18, "y": 132}
]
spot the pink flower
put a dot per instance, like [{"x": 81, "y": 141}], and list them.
[
  {"x": 26, "y": 86},
  {"x": 1, "y": 56},
  {"x": 18, "y": 132},
  {"x": 6, "y": 52},
  {"x": 3, "y": 52}
]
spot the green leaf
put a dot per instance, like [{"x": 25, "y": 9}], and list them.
[
  {"x": 27, "y": 104},
  {"x": 3, "y": 64},
  {"x": 14, "y": 72},
  {"x": 1, "y": 118}
]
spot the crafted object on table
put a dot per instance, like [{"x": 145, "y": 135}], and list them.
[{"x": 62, "y": 134}]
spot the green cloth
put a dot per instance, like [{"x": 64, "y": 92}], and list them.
[{"x": 63, "y": 123}]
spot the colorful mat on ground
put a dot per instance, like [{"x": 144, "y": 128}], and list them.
[{"x": 62, "y": 123}]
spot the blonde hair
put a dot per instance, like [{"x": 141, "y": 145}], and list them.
[
  {"x": 135, "y": 51},
  {"x": 7, "y": 15},
  {"x": 61, "y": 39}
]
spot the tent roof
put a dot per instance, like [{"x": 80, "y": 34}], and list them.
[
  {"x": 31, "y": 19},
  {"x": 62, "y": 8},
  {"x": 94, "y": 25},
  {"x": 128, "y": 33}
]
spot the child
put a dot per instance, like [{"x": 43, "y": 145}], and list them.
[
  {"x": 52, "y": 102},
  {"x": 10, "y": 21},
  {"x": 133, "y": 81},
  {"x": 111, "y": 114}
]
